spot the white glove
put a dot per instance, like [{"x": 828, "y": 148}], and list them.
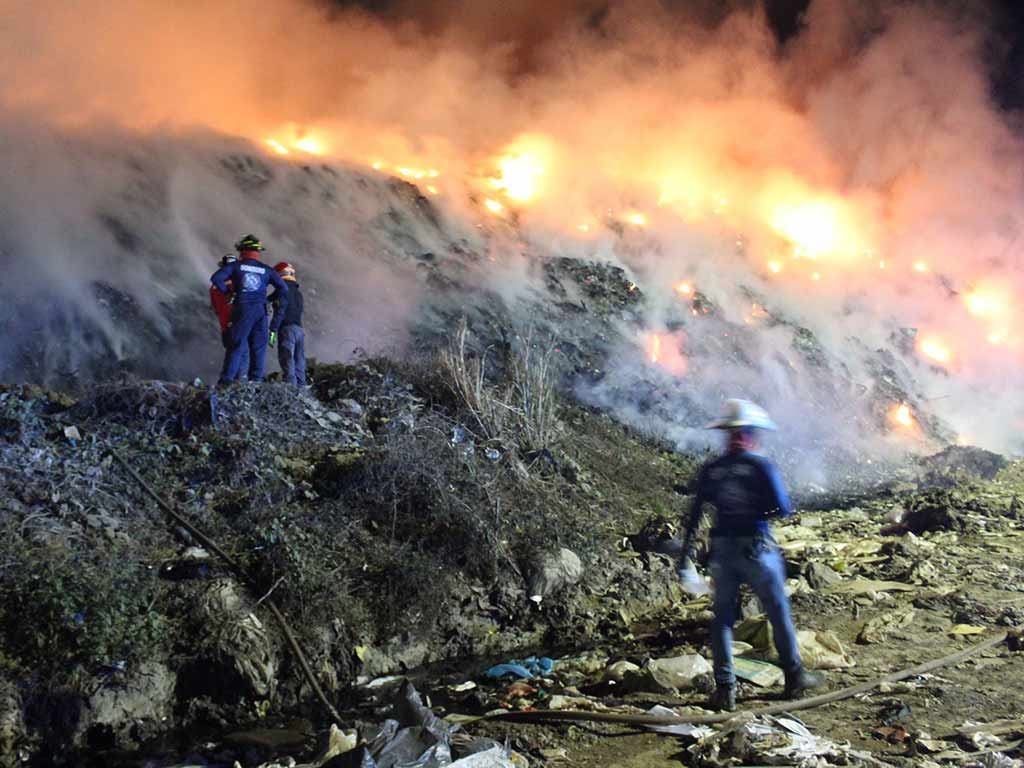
[{"x": 693, "y": 583}]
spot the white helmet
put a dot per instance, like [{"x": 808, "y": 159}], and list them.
[{"x": 742, "y": 413}]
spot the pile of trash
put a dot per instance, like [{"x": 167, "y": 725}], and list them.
[
  {"x": 394, "y": 537},
  {"x": 412, "y": 737},
  {"x": 354, "y": 505},
  {"x": 767, "y": 740}
]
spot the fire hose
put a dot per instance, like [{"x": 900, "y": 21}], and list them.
[
  {"x": 240, "y": 572},
  {"x": 550, "y": 715}
]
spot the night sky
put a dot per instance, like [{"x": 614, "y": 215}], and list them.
[
  {"x": 1006, "y": 45},
  {"x": 1008, "y": 64},
  {"x": 1005, "y": 50}
]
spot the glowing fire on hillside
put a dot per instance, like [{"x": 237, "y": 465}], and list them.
[
  {"x": 628, "y": 139},
  {"x": 665, "y": 351},
  {"x": 814, "y": 227},
  {"x": 935, "y": 350},
  {"x": 900, "y": 415},
  {"x": 791, "y": 231}
]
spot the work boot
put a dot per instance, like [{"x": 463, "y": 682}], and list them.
[
  {"x": 800, "y": 680},
  {"x": 723, "y": 699}
]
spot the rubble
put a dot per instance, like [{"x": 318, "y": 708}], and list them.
[
  {"x": 881, "y": 627},
  {"x": 295, "y": 483},
  {"x": 964, "y": 460},
  {"x": 819, "y": 575}
]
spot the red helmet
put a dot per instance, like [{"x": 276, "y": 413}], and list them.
[{"x": 285, "y": 270}]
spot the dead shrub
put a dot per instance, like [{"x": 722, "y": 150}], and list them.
[{"x": 519, "y": 406}]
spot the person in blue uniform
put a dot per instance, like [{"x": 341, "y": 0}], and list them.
[
  {"x": 291, "y": 355},
  {"x": 746, "y": 491},
  {"x": 249, "y": 279}
]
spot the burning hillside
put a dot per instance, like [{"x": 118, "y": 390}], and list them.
[
  {"x": 539, "y": 244},
  {"x": 827, "y": 226}
]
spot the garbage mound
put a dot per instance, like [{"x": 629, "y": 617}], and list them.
[
  {"x": 965, "y": 460},
  {"x": 391, "y": 526}
]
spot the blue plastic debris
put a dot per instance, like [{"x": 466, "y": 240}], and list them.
[
  {"x": 527, "y": 669},
  {"x": 517, "y": 671}
]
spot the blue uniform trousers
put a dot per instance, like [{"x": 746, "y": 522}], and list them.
[
  {"x": 249, "y": 332},
  {"x": 244, "y": 352},
  {"x": 754, "y": 560},
  {"x": 291, "y": 354}
]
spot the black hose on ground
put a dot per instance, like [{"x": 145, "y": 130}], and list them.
[{"x": 237, "y": 569}]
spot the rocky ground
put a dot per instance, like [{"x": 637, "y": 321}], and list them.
[{"x": 425, "y": 521}]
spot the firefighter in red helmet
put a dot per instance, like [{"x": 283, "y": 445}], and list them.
[{"x": 291, "y": 353}]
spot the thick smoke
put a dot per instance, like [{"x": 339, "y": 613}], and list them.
[{"x": 857, "y": 182}]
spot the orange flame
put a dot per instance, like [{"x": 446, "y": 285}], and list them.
[
  {"x": 935, "y": 350},
  {"x": 522, "y": 166},
  {"x": 665, "y": 350},
  {"x": 276, "y": 146},
  {"x": 983, "y": 304},
  {"x": 998, "y": 337},
  {"x": 301, "y": 141},
  {"x": 812, "y": 225},
  {"x": 901, "y": 416},
  {"x": 310, "y": 146}
]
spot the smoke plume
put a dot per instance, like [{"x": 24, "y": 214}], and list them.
[{"x": 856, "y": 185}]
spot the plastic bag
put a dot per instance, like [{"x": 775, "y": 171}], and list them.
[{"x": 693, "y": 583}]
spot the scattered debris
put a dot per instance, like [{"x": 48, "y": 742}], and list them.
[
  {"x": 554, "y": 573},
  {"x": 902, "y": 596},
  {"x": 770, "y": 740},
  {"x": 879, "y": 628},
  {"x": 678, "y": 673},
  {"x": 819, "y": 575},
  {"x": 527, "y": 669},
  {"x": 760, "y": 673}
]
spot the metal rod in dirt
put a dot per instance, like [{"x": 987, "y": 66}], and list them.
[
  {"x": 211, "y": 545},
  {"x": 549, "y": 715}
]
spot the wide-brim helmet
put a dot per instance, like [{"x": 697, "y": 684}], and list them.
[{"x": 741, "y": 414}]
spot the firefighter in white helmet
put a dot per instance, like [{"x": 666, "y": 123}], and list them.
[{"x": 746, "y": 491}]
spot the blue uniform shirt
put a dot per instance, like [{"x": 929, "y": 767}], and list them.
[
  {"x": 745, "y": 490},
  {"x": 249, "y": 280}
]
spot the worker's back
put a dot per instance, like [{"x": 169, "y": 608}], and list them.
[
  {"x": 745, "y": 490},
  {"x": 249, "y": 278},
  {"x": 293, "y": 312}
]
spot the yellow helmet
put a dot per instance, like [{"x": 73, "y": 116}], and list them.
[{"x": 249, "y": 243}]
